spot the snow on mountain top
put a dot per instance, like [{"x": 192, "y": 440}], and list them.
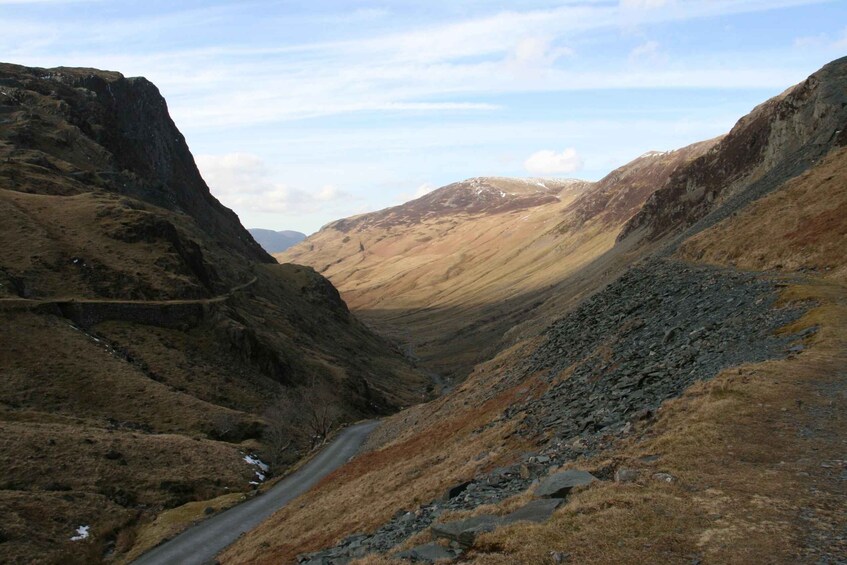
[{"x": 655, "y": 154}]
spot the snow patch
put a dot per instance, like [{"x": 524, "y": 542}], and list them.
[
  {"x": 81, "y": 533},
  {"x": 253, "y": 460},
  {"x": 262, "y": 468}
]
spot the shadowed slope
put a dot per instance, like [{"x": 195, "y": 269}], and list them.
[{"x": 148, "y": 341}]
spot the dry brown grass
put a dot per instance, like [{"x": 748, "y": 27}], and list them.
[
  {"x": 802, "y": 226},
  {"x": 458, "y": 287},
  {"x": 750, "y": 483},
  {"x": 750, "y": 486}
]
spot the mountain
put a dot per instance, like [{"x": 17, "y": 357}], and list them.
[
  {"x": 276, "y": 241},
  {"x": 685, "y": 401},
  {"x": 476, "y": 266},
  {"x": 149, "y": 343}
]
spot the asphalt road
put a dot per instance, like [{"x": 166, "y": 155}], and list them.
[{"x": 201, "y": 543}]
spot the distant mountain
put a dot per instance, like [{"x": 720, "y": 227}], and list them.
[
  {"x": 276, "y": 241},
  {"x": 460, "y": 272}
]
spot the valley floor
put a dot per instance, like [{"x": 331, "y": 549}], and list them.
[{"x": 746, "y": 465}]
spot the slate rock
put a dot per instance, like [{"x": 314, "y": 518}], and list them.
[
  {"x": 428, "y": 553},
  {"x": 464, "y": 532},
  {"x": 664, "y": 477},
  {"x": 559, "y": 485},
  {"x": 456, "y": 490},
  {"x": 534, "y": 511}
]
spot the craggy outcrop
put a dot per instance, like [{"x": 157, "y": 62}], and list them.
[
  {"x": 117, "y": 132},
  {"x": 778, "y": 140}
]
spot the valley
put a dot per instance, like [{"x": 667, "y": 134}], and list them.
[
  {"x": 691, "y": 358},
  {"x": 649, "y": 367}
]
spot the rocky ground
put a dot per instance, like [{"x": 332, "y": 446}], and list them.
[{"x": 609, "y": 365}]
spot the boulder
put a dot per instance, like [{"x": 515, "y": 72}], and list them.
[
  {"x": 559, "y": 485},
  {"x": 624, "y": 475},
  {"x": 464, "y": 532},
  {"x": 664, "y": 477},
  {"x": 534, "y": 511},
  {"x": 428, "y": 553},
  {"x": 456, "y": 490}
]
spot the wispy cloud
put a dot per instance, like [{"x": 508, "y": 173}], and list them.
[
  {"x": 548, "y": 162},
  {"x": 647, "y": 50},
  {"x": 823, "y": 41},
  {"x": 243, "y": 182},
  {"x": 394, "y": 71}
]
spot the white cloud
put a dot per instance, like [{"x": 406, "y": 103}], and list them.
[
  {"x": 243, "y": 182},
  {"x": 533, "y": 53},
  {"x": 823, "y": 41},
  {"x": 549, "y": 162},
  {"x": 647, "y": 51},
  {"x": 424, "y": 189}
]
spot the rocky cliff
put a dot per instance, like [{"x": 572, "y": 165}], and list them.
[
  {"x": 778, "y": 140},
  {"x": 116, "y": 131}
]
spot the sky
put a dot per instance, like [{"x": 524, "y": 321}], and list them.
[{"x": 299, "y": 113}]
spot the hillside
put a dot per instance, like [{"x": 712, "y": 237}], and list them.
[
  {"x": 476, "y": 266},
  {"x": 149, "y": 343},
  {"x": 702, "y": 385},
  {"x": 276, "y": 241}
]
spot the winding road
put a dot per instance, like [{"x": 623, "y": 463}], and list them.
[{"x": 201, "y": 543}]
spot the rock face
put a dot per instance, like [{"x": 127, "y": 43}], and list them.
[
  {"x": 464, "y": 532},
  {"x": 778, "y": 140},
  {"x": 428, "y": 553},
  {"x": 123, "y": 123}
]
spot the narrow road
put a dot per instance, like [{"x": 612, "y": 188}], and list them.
[{"x": 201, "y": 543}]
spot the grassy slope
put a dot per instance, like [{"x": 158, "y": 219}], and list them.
[
  {"x": 459, "y": 287},
  {"x": 803, "y": 227}
]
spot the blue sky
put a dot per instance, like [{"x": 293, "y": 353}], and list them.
[{"x": 299, "y": 113}]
